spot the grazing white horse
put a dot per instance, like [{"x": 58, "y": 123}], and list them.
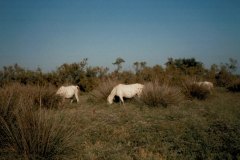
[
  {"x": 127, "y": 91},
  {"x": 206, "y": 84},
  {"x": 69, "y": 92}
]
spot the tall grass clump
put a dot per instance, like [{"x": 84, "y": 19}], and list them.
[
  {"x": 234, "y": 86},
  {"x": 192, "y": 90},
  {"x": 43, "y": 96},
  {"x": 157, "y": 95},
  {"x": 104, "y": 89},
  {"x": 29, "y": 132}
]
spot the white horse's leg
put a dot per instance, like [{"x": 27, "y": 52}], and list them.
[
  {"x": 121, "y": 100},
  {"x": 76, "y": 95}
]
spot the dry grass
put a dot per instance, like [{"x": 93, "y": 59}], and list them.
[
  {"x": 32, "y": 132},
  {"x": 195, "y": 129},
  {"x": 101, "y": 93},
  {"x": 234, "y": 86},
  {"x": 192, "y": 90},
  {"x": 43, "y": 97},
  {"x": 156, "y": 95}
]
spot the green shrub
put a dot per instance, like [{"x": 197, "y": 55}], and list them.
[
  {"x": 30, "y": 132},
  {"x": 156, "y": 95}
]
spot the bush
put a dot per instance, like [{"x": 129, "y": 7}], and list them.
[
  {"x": 234, "y": 86},
  {"x": 192, "y": 90},
  {"x": 104, "y": 89},
  {"x": 30, "y": 132},
  {"x": 43, "y": 97},
  {"x": 160, "y": 95}
]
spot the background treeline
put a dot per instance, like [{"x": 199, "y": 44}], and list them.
[{"x": 88, "y": 77}]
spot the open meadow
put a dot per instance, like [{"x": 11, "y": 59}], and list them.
[{"x": 192, "y": 129}]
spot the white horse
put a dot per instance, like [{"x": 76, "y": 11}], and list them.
[
  {"x": 127, "y": 91},
  {"x": 69, "y": 92},
  {"x": 206, "y": 84}
]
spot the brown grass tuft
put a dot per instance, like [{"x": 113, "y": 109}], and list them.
[
  {"x": 104, "y": 89},
  {"x": 234, "y": 86},
  {"x": 156, "y": 95},
  {"x": 192, "y": 90},
  {"x": 30, "y": 132}
]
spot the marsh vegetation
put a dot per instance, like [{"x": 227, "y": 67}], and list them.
[{"x": 173, "y": 119}]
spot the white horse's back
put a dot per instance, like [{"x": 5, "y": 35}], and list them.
[
  {"x": 130, "y": 90},
  {"x": 206, "y": 84}
]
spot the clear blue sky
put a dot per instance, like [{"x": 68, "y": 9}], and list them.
[{"x": 48, "y": 33}]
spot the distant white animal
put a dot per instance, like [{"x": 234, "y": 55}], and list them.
[
  {"x": 127, "y": 91},
  {"x": 69, "y": 92},
  {"x": 206, "y": 84}
]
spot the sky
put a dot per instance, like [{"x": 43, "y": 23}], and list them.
[{"x": 48, "y": 33}]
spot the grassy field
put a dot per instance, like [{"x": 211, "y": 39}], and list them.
[
  {"x": 195, "y": 129},
  {"x": 206, "y": 129}
]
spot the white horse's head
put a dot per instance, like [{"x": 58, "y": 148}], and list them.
[{"x": 110, "y": 99}]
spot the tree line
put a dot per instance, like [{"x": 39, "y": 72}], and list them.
[{"x": 88, "y": 77}]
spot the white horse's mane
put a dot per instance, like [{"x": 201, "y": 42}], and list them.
[{"x": 125, "y": 90}]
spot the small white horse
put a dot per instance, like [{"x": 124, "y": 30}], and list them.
[
  {"x": 127, "y": 91},
  {"x": 206, "y": 84},
  {"x": 69, "y": 92}
]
